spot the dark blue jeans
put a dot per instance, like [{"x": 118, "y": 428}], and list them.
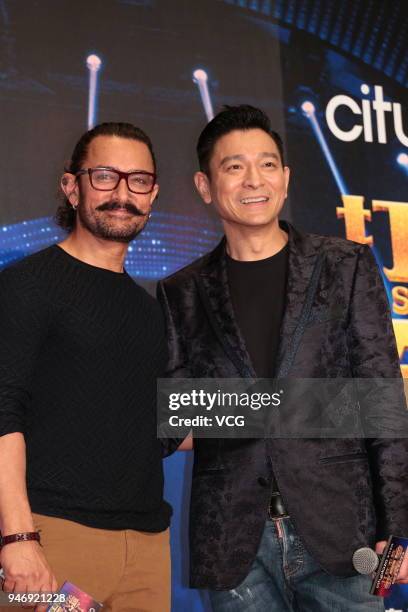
[{"x": 285, "y": 578}]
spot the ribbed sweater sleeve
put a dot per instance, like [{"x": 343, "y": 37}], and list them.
[{"x": 24, "y": 319}]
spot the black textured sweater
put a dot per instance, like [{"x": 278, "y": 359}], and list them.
[{"x": 80, "y": 350}]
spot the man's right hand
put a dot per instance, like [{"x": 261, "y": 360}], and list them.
[{"x": 26, "y": 570}]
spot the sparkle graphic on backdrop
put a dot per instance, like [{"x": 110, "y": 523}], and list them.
[{"x": 151, "y": 256}]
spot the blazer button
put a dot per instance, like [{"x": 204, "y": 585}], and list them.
[{"x": 262, "y": 481}]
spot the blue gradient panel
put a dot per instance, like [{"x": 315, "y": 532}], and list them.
[
  {"x": 379, "y": 61},
  {"x": 324, "y": 30},
  {"x": 396, "y": 49},
  {"x": 362, "y": 31},
  {"x": 335, "y": 38},
  {"x": 313, "y": 20},
  {"x": 373, "y": 38},
  {"x": 351, "y": 20},
  {"x": 278, "y": 13},
  {"x": 266, "y": 7},
  {"x": 301, "y": 18},
  {"x": 177, "y": 485}
]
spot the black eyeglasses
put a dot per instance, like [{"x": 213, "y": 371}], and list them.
[{"x": 107, "y": 179}]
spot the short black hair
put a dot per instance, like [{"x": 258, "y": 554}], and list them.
[
  {"x": 242, "y": 117},
  {"x": 66, "y": 215}
]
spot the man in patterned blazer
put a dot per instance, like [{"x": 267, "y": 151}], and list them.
[{"x": 274, "y": 522}]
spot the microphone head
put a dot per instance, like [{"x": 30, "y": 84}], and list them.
[{"x": 365, "y": 560}]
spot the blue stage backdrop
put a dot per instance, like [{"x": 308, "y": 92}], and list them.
[{"x": 332, "y": 74}]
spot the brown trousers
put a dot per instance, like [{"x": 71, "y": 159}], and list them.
[{"x": 124, "y": 570}]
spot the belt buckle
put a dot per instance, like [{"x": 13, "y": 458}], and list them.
[{"x": 274, "y": 516}]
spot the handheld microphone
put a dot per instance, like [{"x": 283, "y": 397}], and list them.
[
  {"x": 366, "y": 560},
  {"x": 385, "y": 567}
]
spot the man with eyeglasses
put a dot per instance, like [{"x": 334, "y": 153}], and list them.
[{"x": 81, "y": 481}]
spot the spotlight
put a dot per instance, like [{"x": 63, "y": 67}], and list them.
[
  {"x": 93, "y": 62},
  {"x": 308, "y": 108},
  {"x": 402, "y": 159},
  {"x": 200, "y": 75}
]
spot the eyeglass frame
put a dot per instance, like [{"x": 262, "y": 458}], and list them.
[{"x": 121, "y": 175}]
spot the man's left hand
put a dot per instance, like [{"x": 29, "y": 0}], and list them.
[{"x": 402, "y": 577}]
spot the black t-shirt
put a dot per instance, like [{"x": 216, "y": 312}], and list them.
[
  {"x": 258, "y": 291},
  {"x": 81, "y": 348}
]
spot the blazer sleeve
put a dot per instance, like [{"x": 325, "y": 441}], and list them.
[
  {"x": 176, "y": 366},
  {"x": 373, "y": 355}
]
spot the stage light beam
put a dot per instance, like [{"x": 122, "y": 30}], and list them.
[
  {"x": 309, "y": 111},
  {"x": 93, "y": 63},
  {"x": 201, "y": 79}
]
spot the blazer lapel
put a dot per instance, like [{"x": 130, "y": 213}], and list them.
[
  {"x": 215, "y": 294},
  {"x": 303, "y": 275}
]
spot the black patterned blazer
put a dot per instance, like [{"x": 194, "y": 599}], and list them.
[{"x": 340, "y": 493}]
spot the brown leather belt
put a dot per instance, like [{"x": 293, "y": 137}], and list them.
[{"x": 276, "y": 508}]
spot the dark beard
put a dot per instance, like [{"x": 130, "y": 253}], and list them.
[{"x": 101, "y": 228}]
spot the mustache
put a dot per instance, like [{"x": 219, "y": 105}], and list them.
[{"x": 128, "y": 206}]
